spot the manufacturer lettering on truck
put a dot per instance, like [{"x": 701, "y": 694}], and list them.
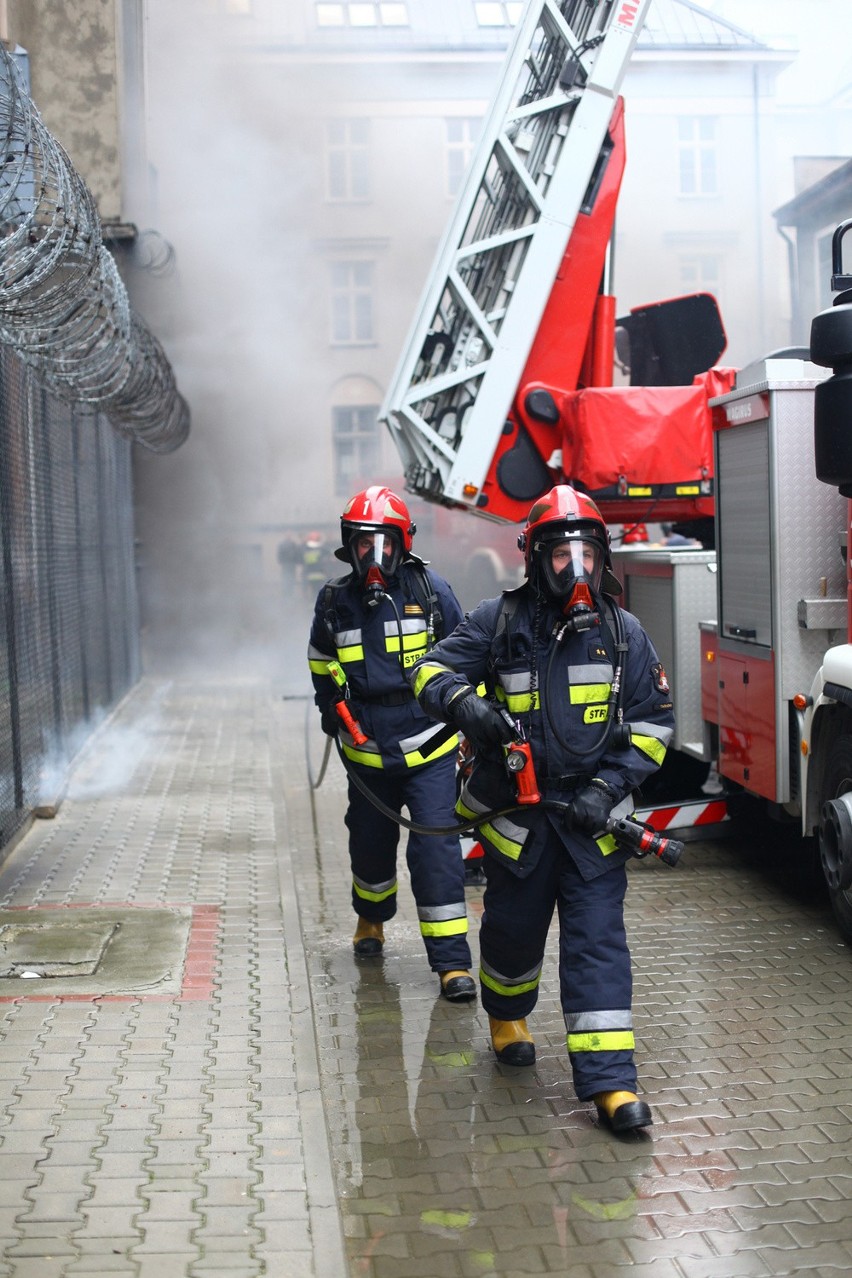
[
  {"x": 755, "y": 408},
  {"x": 627, "y": 16}
]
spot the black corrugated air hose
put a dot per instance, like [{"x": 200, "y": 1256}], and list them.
[{"x": 468, "y": 826}]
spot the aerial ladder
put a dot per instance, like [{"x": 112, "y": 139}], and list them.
[{"x": 504, "y": 386}]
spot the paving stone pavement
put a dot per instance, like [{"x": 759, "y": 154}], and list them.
[{"x": 270, "y": 1105}]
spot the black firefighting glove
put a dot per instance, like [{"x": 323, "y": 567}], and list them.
[
  {"x": 329, "y": 720},
  {"x": 590, "y": 807},
  {"x": 478, "y": 721}
]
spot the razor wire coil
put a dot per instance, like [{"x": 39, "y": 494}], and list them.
[{"x": 64, "y": 308}]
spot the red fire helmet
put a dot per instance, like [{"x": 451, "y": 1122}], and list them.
[{"x": 377, "y": 509}]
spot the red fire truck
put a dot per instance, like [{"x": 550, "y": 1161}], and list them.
[{"x": 505, "y": 387}]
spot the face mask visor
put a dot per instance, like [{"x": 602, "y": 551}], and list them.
[
  {"x": 376, "y": 554},
  {"x": 569, "y": 559}
]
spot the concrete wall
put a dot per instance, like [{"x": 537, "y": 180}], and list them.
[{"x": 82, "y": 83}]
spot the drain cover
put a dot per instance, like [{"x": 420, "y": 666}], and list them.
[
  {"x": 40, "y": 949},
  {"x": 97, "y": 950}
]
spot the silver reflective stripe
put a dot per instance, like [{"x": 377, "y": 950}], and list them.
[
  {"x": 408, "y": 744},
  {"x": 440, "y": 913},
  {"x": 516, "y": 683},
  {"x": 347, "y": 638},
  {"x": 664, "y": 735},
  {"x": 589, "y": 1022},
  {"x": 411, "y": 626},
  {"x": 509, "y": 830},
  {"x": 373, "y": 887},
  {"x": 314, "y": 654},
  {"x": 523, "y": 979},
  {"x": 476, "y": 806},
  {"x": 599, "y": 672}
]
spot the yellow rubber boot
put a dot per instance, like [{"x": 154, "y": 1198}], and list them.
[
  {"x": 622, "y": 1111},
  {"x": 368, "y": 939},
  {"x": 458, "y": 986},
  {"x": 512, "y": 1042}
]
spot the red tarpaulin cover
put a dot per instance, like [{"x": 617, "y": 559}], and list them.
[{"x": 645, "y": 434}]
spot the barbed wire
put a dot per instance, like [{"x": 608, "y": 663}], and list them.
[{"x": 64, "y": 308}]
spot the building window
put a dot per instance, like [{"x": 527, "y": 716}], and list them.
[
  {"x": 697, "y": 155},
  {"x": 700, "y": 273},
  {"x": 461, "y": 137},
  {"x": 355, "y": 438},
  {"x": 358, "y": 14},
  {"x": 351, "y": 302},
  {"x": 347, "y": 159},
  {"x": 497, "y": 15}
]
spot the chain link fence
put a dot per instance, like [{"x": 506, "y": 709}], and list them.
[
  {"x": 69, "y": 623},
  {"x": 81, "y": 380}
]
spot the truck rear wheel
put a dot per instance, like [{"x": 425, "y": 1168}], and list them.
[{"x": 833, "y": 852}]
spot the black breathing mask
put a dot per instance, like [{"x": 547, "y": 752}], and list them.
[
  {"x": 376, "y": 555},
  {"x": 569, "y": 570}
]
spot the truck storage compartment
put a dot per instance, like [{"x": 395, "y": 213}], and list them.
[
  {"x": 671, "y": 592},
  {"x": 777, "y": 538}
]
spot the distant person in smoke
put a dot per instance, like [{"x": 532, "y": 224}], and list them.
[
  {"x": 373, "y": 624},
  {"x": 289, "y": 556},
  {"x": 314, "y": 565}
]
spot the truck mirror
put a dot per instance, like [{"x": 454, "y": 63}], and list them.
[{"x": 831, "y": 347}]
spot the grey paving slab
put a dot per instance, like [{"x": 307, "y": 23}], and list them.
[{"x": 274, "y": 1106}]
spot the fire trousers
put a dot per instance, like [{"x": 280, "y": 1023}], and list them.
[
  {"x": 435, "y": 862},
  {"x": 595, "y": 978}
]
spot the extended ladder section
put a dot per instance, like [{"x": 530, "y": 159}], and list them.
[{"x": 540, "y": 162}]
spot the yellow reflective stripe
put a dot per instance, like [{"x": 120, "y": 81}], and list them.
[
  {"x": 409, "y": 658},
  {"x": 522, "y": 702},
  {"x": 368, "y": 758},
  {"x": 585, "y": 693},
  {"x": 424, "y": 674},
  {"x": 508, "y": 847},
  {"x": 416, "y": 640},
  {"x": 453, "y": 927},
  {"x": 353, "y": 653},
  {"x": 366, "y": 895},
  {"x": 414, "y": 758},
  {"x": 319, "y": 667},
  {"x": 602, "y": 1041},
  {"x": 508, "y": 990},
  {"x": 649, "y": 745},
  {"x": 607, "y": 844}
]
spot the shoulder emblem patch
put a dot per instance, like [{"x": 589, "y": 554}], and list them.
[{"x": 661, "y": 682}]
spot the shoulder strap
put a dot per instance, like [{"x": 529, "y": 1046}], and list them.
[
  {"x": 329, "y": 610},
  {"x": 508, "y": 608},
  {"x": 424, "y": 591}
]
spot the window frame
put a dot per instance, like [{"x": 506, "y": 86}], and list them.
[
  {"x": 365, "y": 453},
  {"x": 702, "y": 153},
  {"x": 350, "y": 151},
  {"x": 350, "y": 298}
]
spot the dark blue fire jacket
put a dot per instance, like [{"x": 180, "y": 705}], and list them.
[{"x": 559, "y": 691}]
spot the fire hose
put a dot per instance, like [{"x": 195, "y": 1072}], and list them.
[{"x": 637, "y": 837}]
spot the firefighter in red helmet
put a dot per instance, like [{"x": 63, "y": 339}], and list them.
[
  {"x": 372, "y": 624},
  {"x": 561, "y": 661}
]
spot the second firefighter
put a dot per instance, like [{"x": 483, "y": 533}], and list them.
[{"x": 369, "y": 628}]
